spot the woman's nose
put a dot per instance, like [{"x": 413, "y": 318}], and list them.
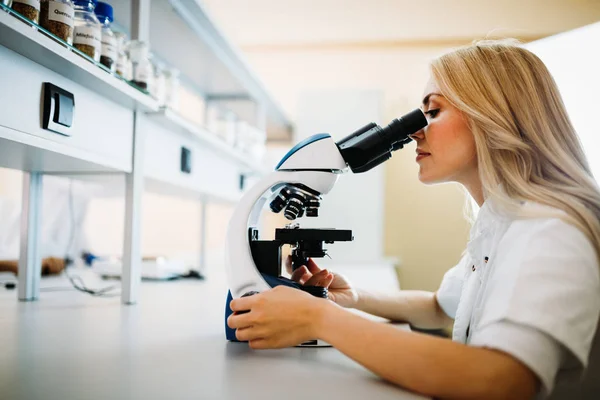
[{"x": 419, "y": 135}]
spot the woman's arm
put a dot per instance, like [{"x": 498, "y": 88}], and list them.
[
  {"x": 418, "y": 308},
  {"x": 283, "y": 317},
  {"x": 426, "y": 364}
]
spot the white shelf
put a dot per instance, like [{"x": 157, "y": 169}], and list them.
[
  {"x": 36, "y": 46},
  {"x": 113, "y": 186},
  {"x": 182, "y": 34},
  {"x": 175, "y": 122}
]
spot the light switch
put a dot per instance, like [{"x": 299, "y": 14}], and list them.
[{"x": 186, "y": 160}]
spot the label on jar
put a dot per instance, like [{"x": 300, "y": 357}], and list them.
[
  {"x": 61, "y": 12},
  {"x": 33, "y": 3},
  {"x": 109, "y": 47},
  {"x": 141, "y": 75},
  {"x": 122, "y": 65},
  {"x": 87, "y": 35}
]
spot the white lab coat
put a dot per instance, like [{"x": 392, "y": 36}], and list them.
[{"x": 527, "y": 287}]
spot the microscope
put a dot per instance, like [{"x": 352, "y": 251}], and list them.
[{"x": 303, "y": 176}]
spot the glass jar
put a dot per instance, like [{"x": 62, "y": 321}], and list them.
[
  {"x": 87, "y": 35},
  {"x": 158, "y": 87},
  {"x": 30, "y": 9},
  {"x": 142, "y": 73},
  {"x": 57, "y": 17},
  {"x": 123, "y": 67},
  {"x": 172, "y": 88},
  {"x": 108, "y": 54}
]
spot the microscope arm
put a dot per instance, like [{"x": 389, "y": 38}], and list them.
[{"x": 242, "y": 274}]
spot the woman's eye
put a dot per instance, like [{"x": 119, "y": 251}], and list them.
[{"x": 432, "y": 113}]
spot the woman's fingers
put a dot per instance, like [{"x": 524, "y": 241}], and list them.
[
  {"x": 240, "y": 321},
  {"x": 244, "y": 303},
  {"x": 323, "y": 279},
  {"x": 327, "y": 282},
  {"x": 248, "y": 334},
  {"x": 301, "y": 275},
  {"x": 313, "y": 268},
  {"x": 258, "y": 344}
]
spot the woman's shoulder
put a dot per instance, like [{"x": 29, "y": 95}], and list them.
[{"x": 541, "y": 228}]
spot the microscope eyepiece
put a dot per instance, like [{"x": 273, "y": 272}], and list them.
[{"x": 371, "y": 145}]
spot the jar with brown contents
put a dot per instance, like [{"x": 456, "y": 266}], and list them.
[
  {"x": 87, "y": 35},
  {"x": 57, "y": 17},
  {"x": 30, "y": 9},
  {"x": 142, "y": 74},
  {"x": 108, "y": 55}
]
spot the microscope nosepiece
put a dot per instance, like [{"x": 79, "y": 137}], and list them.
[
  {"x": 280, "y": 201},
  {"x": 295, "y": 202}
]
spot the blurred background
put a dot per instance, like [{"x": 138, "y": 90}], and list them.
[{"x": 332, "y": 66}]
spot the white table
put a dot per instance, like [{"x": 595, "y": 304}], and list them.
[{"x": 170, "y": 346}]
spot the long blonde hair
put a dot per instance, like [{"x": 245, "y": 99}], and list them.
[{"x": 527, "y": 149}]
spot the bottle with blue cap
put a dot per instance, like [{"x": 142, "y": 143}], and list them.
[
  {"x": 87, "y": 36},
  {"x": 108, "y": 54}
]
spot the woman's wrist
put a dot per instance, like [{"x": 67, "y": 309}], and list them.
[
  {"x": 324, "y": 310},
  {"x": 361, "y": 298}
]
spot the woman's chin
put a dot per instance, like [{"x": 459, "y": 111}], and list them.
[{"x": 429, "y": 179}]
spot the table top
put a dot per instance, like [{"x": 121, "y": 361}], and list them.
[{"x": 171, "y": 345}]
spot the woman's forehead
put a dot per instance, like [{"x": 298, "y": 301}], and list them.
[{"x": 431, "y": 87}]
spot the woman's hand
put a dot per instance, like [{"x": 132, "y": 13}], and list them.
[
  {"x": 340, "y": 290},
  {"x": 277, "y": 318}
]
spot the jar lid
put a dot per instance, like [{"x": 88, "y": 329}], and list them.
[
  {"x": 85, "y": 3},
  {"x": 104, "y": 11},
  {"x": 138, "y": 50}
]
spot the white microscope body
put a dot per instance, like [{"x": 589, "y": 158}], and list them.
[{"x": 314, "y": 163}]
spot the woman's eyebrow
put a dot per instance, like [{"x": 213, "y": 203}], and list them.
[{"x": 426, "y": 98}]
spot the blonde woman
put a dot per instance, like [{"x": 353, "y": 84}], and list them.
[{"x": 525, "y": 298}]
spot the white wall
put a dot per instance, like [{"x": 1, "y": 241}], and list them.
[
  {"x": 356, "y": 201},
  {"x": 573, "y": 59}
]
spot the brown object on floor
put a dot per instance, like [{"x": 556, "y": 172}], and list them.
[{"x": 50, "y": 266}]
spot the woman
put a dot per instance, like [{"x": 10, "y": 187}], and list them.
[{"x": 525, "y": 298}]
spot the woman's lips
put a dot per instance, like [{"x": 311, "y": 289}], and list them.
[{"x": 422, "y": 154}]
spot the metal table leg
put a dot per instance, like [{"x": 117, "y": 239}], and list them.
[{"x": 30, "y": 261}]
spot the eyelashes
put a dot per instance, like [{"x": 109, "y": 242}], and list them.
[{"x": 433, "y": 113}]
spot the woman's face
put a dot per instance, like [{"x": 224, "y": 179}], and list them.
[{"x": 445, "y": 147}]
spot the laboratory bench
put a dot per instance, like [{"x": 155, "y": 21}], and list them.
[{"x": 171, "y": 345}]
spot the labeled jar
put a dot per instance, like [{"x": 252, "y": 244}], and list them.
[
  {"x": 30, "y": 9},
  {"x": 108, "y": 54},
  {"x": 123, "y": 67},
  {"x": 172, "y": 92},
  {"x": 57, "y": 17},
  {"x": 158, "y": 88},
  {"x": 87, "y": 35},
  {"x": 142, "y": 73}
]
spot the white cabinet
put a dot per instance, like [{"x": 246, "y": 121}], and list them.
[
  {"x": 100, "y": 128},
  {"x": 211, "y": 174}
]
